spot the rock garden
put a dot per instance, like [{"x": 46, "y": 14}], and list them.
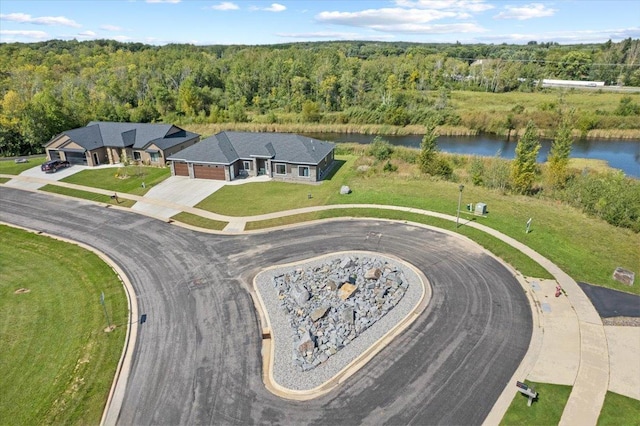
[{"x": 326, "y": 312}]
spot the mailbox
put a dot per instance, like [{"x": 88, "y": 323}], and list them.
[{"x": 524, "y": 389}]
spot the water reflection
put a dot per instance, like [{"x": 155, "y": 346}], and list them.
[{"x": 621, "y": 154}]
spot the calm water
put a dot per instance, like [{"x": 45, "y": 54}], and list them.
[{"x": 621, "y": 154}]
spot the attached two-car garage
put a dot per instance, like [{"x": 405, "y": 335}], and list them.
[
  {"x": 208, "y": 171},
  {"x": 200, "y": 171}
]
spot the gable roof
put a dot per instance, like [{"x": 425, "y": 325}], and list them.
[
  {"x": 128, "y": 135},
  {"x": 227, "y": 147}
]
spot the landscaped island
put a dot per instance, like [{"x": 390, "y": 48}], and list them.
[{"x": 328, "y": 312}]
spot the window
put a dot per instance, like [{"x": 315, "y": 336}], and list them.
[
  {"x": 303, "y": 171},
  {"x": 136, "y": 155},
  {"x": 281, "y": 169},
  {"x": 155, "y": 157},
  {"x": 246, "y": 165}
]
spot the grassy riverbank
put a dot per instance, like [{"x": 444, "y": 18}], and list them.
[
  {"x": 560, "y": 232},
  {"x": 477, "y": 112}
]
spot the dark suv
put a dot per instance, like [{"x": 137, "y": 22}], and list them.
[{"x": 53, "y": 166}]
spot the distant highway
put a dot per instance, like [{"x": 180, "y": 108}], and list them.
[{"x": 620, "y": 89}]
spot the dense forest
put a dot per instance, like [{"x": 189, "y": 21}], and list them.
[{"x": 52, "y": 86}]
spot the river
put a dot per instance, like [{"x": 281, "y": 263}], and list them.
[{"x": 621, "y": 154}]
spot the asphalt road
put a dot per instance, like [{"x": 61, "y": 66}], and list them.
[
  {"x": 612, "y": 303},
  {"x": 197, "y": 358}
]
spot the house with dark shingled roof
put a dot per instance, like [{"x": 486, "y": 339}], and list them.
[
  {"x": 102, "y": 142},
  {"x": 231, "y": 155}
]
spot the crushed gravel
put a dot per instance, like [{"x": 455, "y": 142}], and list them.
[{"x": 285, "y": 372}]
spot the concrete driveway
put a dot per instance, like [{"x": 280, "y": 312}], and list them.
[
  {"x": 35, "y": 172},
  {"x": 183, "y": 191}
]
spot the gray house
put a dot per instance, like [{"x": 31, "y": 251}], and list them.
[
  {"x": 110, "y": 143},
  {"x": 229, "y": 155}
]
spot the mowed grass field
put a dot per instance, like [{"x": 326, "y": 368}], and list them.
[
  {"x": 588, "y": 249},
  {"x": 56, "y": 362},
  {"x": 127, "y": 179}
]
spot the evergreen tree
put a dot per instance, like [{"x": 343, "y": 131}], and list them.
[
  {"x": 523, "y": 169},
  {"x": 559, "y": 154}
]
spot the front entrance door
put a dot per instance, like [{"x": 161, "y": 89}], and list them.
[
  {"x": 96, "y": 162},
  {"x": 261, "y": 167}
]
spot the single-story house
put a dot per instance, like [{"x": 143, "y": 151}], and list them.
[
  {"x": 110, "y": 143},
  {"x": 229, "y": 155}
]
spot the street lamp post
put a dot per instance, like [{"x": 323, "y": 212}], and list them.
[{"x": 461, "y": 187}]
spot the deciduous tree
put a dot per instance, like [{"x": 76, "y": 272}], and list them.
[{"x": 523, "y": 168}]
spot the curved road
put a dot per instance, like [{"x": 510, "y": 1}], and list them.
[{"x": 197, "y": 358}]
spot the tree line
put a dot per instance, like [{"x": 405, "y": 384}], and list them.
[{"x": 48, "y": 87}]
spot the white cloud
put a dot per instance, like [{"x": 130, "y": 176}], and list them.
[
  {"x": 434, "y": 29},
  {"x": 275, "y": 7},
  {"x": 24, "y": 18},
  {"x": 122, "y": 38},
  {"x": 38, "y": 35},
  {"x": 87, "y": 34},
  {"x": 533, "y": 10},
  {"x": 328, "y": 35},
  {"x": 568, "y": 37},
  {"x": 110, "y": 28},
  {"x": 462, "y": 5},
  {"x": 225, "y": 5},
  {"x": 414, "y": 16},
  {"x": 383, "y": 17}
]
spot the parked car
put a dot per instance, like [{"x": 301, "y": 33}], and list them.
[{"x": 53, "y": 166}]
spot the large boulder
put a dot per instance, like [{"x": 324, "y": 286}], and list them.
[{"x": 300, "y": 294}]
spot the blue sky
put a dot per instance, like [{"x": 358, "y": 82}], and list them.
[{"x": 265, "y": 22}]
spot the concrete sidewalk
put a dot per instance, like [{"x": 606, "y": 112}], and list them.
[{"x": 574, "y": 348}]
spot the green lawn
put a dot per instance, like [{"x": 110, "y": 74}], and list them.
[
  {"x": 199, "y": 221},
  {"x": 274, "y": 196},
  {"x": 57, "y": 363},
  {"x": 10, "y": 167},
  {"x": 586, "y": 248},
  {"x": 617, "y": 410},
  {"x": 519, "y": 261},
  {"x": 547, "y": 410},
  {"x": 87, "y": 195},
  {"x": 127, "y": 179}
]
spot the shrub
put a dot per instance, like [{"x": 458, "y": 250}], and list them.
[
  {"x": 380, "y": 149},
  {"x": 388, "y": 167},
  {"x": 477, "y": 170},
  {"x": 610, "y": 196},
  {"x": 627, "y": 107}
]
